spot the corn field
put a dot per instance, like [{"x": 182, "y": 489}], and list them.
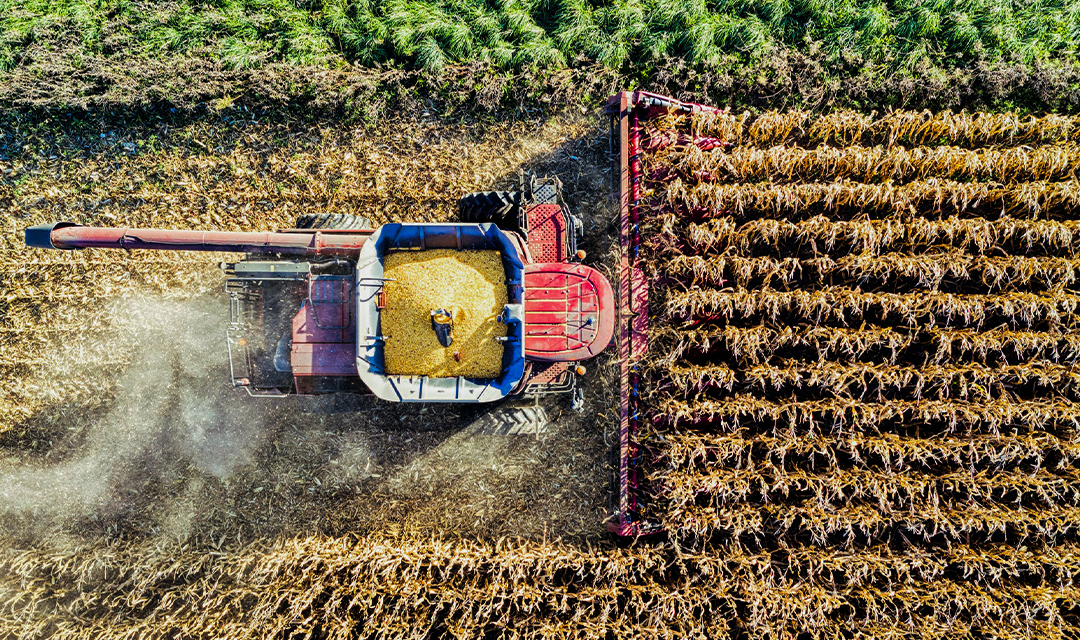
[
  {"x": 863, "y": 345},
  {"x": 859, "y": 415}
]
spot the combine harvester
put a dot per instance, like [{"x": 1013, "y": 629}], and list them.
[{"x": 310, "y": 307}]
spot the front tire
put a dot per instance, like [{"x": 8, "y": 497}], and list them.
[{"x": 498, "y": 207}]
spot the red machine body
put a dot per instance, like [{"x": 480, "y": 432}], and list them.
[
  {"x": 323, "y": 335},
  {"x": 567, "y": 307}
]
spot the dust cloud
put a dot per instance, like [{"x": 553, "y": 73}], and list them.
[{"x": 171, "y": 410}]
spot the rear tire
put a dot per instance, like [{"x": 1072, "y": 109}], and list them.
[
  {"x": 511, "y": 419},
  {"x": 499, "y": 207},
  {"x": 333, "y": 221}
]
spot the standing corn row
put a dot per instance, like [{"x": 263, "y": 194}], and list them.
[{"x": 864, "y": 335}]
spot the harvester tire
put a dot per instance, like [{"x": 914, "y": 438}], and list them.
[
  {"x": 333, "y": 221},
  {"x": 511, "y": 419},
  {"x": 500, "y": 207}
]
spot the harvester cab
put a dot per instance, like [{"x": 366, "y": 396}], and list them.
[{"x": 493, "y": 306}]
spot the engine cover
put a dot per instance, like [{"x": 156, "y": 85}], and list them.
[{"x": 569, "y": 312}]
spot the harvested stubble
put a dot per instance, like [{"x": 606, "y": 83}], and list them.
[{"x": 469, "y": 284}]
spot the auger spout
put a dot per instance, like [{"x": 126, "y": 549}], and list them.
[{"x": 68, "y": 235}]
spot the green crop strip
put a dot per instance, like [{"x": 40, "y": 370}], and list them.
[{"x": 886, "y": 36}]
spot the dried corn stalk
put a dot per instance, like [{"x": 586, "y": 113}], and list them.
[
  {"x": 909, "y": 128},
  {"x": 823, "y": 235},
  {"x": 930, "y": 270},
  {"x": 847, "y": 306},
  {"x": 873, "y": 164},
  {"x": 934, "y": 196}
]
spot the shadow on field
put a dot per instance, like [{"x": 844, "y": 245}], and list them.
[{"x": 175, "y": 454}]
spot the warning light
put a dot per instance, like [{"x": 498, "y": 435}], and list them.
[
  {"x": 580, "y": 370},
  {"x": 580, "y": 254}
]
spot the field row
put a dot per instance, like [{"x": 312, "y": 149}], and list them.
[
  {"x": 685, "y": 449},
  {"x": 878, "y": 164},
  {"x": 844, "y": 199},
  {"x": 944, "y": 269},
  {"x": 910, "y": 495},
  {"x": 840, "y": 416},
  {"x": 750, "y": 345},
  {"x": 907, "y": 128},
  {"x": 407, "y": 589},
  {"x": 826, "y": 235},
  {"x": 929, "y": 525},
  {"x": 871, "y": 380},
  {"x": 849, "y": 306}
]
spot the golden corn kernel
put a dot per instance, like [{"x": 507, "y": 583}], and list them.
[{"x": 471, "y": 285}]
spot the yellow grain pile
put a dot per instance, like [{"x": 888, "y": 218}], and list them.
[{"x": 470, "y": 284}]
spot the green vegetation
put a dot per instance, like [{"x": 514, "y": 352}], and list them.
[
  {"x": 516, "y": 33},
  {"x": 317, "y": 54},
  {"x": 549, "y": 33}
]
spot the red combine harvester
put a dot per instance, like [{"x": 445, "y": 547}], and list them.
[{"x": 305, "y": 303}]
